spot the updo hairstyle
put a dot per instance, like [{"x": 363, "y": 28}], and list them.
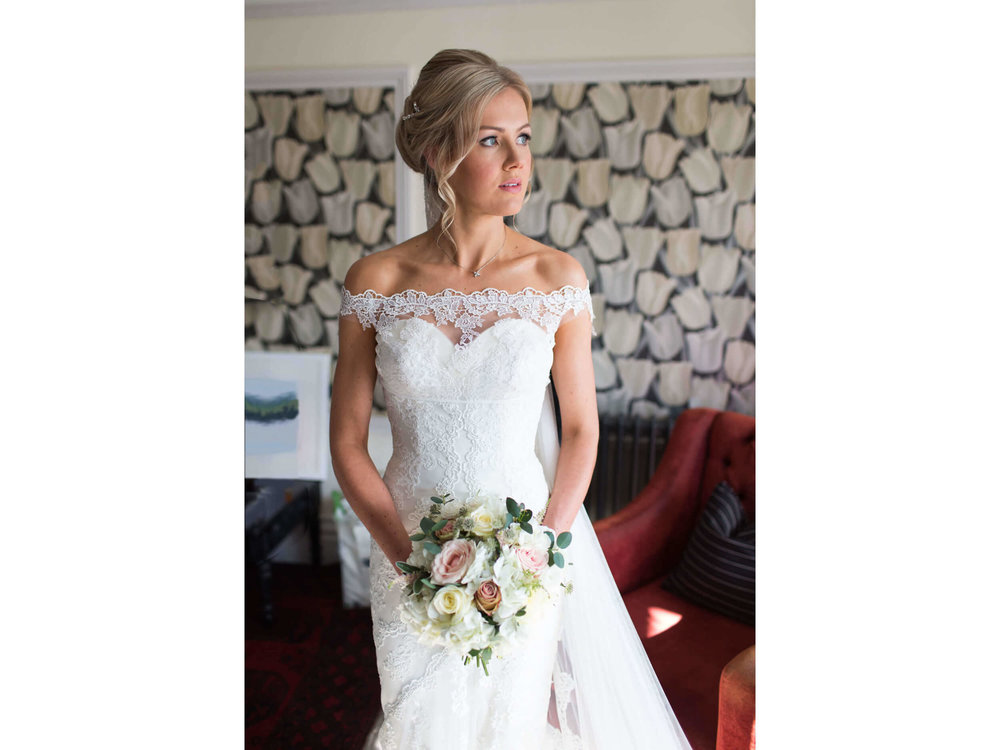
[{"x": 442, "y": 115}]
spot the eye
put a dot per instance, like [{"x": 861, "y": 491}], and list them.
[
  {"x": 523, "y": 139},
  {"x": 490, "y": 140}
]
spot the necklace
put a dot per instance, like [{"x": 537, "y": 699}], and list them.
[{"x": 492, "y": 258}]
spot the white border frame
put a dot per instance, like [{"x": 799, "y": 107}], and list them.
[
  {"x": 317, "y": 78},
  {"x": 311, "y": 371}
]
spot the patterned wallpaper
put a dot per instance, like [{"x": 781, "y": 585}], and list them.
[
  {"x": 649, "y": 185},
  {"x": 319, "y": 192}
]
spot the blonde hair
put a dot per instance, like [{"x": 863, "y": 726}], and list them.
[{"x": 442, "y": 115}]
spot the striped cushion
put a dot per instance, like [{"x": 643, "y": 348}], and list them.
[{"x": 716, "y": 570}]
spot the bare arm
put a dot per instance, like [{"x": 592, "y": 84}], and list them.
[
  {"x": 573, "y": 376},
  {"x": 350, "y": 413}
]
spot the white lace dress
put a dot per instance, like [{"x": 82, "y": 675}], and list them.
[{"x": 465, "y": 380}]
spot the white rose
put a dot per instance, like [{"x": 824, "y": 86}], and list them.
[
  {"x": 482, "y": 521},
  {"x": 451, "y": 600}
]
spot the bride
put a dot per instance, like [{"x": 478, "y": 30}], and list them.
[{"x": 463, "y": 325}]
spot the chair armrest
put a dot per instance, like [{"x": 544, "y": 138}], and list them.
[
  {"x": 737, "y": 702},
  {"x": 647, "y": 536}
]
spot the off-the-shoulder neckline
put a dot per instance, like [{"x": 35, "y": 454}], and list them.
[{"x": 450, "y": 292}]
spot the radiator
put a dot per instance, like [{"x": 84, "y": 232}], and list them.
[{"x": 628, "y": 452}]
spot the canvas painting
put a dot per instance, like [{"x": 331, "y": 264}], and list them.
[{"x": 286, "y": 411}]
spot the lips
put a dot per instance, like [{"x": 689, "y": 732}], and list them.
[{"x": 511, "y": 186}]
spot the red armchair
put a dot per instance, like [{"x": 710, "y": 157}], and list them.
[{"x": 689, "y": 646}]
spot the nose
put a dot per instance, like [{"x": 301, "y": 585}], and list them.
[{"x": 516, "y": 157}]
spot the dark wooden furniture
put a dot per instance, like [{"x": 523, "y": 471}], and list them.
[{"x": 272, "y": 509}]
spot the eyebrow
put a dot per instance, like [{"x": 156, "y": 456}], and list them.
[{"x": 501, "y": 130}]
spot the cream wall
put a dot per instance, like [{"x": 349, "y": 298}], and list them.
[{"x": 512, "y": 33}]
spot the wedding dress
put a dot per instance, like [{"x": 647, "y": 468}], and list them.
[{"x": 465, "y": 377}]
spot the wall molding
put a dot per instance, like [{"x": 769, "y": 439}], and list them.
[
  {"x": 637, "y": 70},
  {"x": 324, "y": 78},
  {"x": 279, "y": 8}
]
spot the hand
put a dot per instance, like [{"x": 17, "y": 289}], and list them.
[{"x": 399, "y": 555}]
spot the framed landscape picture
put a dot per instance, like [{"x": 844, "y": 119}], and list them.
[{"x": 286, "y": 415}]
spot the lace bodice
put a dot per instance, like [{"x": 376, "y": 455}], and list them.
[{"x": 463, "y": 415}]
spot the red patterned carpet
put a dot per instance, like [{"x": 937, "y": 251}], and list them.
[{"x": 311, "y": 680}]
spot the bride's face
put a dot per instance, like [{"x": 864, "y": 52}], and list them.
[{"x": 493, "y": 177}]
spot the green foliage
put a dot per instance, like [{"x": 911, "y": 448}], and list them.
[
  {"x": 564, "y": 540},
  {"x": 432, "y": 547},
  {"x": 266, "y": 410},
  {"x": 418, "y": 537},
  {"x": 558, "y": 559},
  {"x": 482, "y": 657}
]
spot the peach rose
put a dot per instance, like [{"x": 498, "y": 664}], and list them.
[
  {"x": 532, "y": 559},
  {"x": 446, "y": 532},
  {"x": 452, "y": 561},
  {"x": 488, "y": 597}
]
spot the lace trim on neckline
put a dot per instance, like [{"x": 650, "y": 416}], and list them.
[
  {"x": 467, "y": 311},
  {"x": 528, "y": 291}
]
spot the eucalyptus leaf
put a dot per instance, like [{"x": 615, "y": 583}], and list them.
[
  {"x": 564, "y": 539},
  {"x": 552, "y": 538},
  {"x": 509, "y": 520},
  {"x": 512, "y": 507},
  {"x": 520, "y": 612},
  {"x": 526, "y": 515},
  {"x": 426, "y": 525},
  {"x": 417, "y": 585},
  {"x": 437, "y": 499},
  {"x": 526, "y": 526},
  {"x": 428, "y": 584},
  {"x": 406, "y": 568},
  {"x": 439, "y": 525},
  {"x": 559, "y": 560},
  {"x": 418, "y": 537},
  {"x": 432, "y": 547}
]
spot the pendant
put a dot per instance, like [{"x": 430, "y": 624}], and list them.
[{"x": 475, "y": 273}]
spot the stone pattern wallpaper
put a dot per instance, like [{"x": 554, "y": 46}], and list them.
[
  {"x": 651, "y": 187},
  {"x": 319, "y": 193}
]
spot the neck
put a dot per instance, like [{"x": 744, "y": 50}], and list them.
[{"x": 475, "y": 242}]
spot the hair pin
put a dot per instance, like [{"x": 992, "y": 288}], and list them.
[{"x": 416, "y": 110}]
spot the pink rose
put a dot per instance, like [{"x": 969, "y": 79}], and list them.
[
  {"x": 452, "y": 561},
  {"x": 488, "y": 597},
  {"x": 532, "y": 559}
]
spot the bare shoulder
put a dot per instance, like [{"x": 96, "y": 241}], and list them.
[
  {"x": 379, "y": 272},
  {"x": 554, "y": 268}
]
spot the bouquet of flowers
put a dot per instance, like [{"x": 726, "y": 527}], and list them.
[{"x": 479, "y": 573}]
